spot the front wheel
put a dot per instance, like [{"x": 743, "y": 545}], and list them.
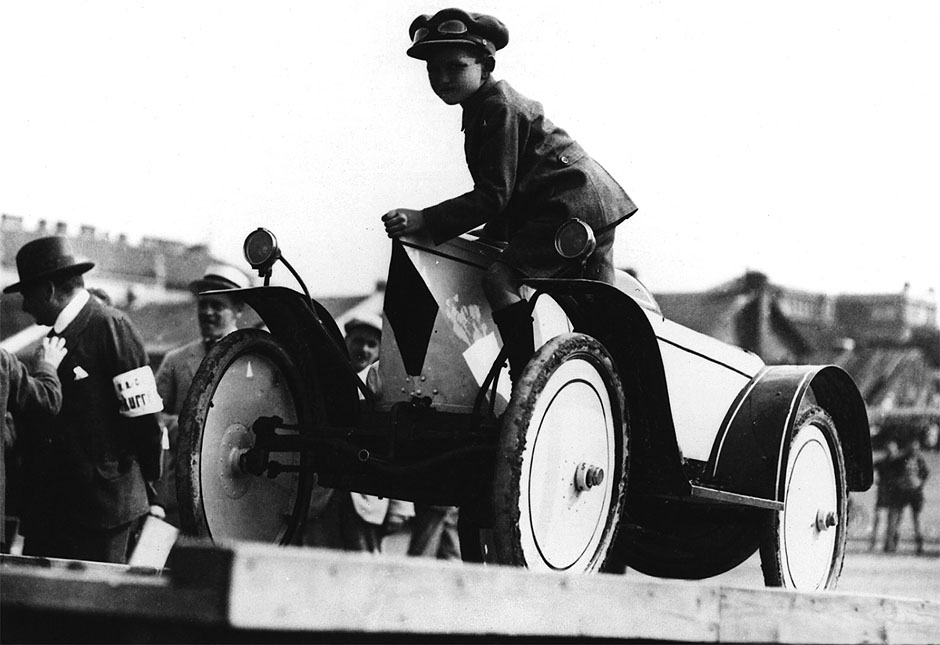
[
  {"x": 246, "y": 375},
  {"x": 561, "y": 471},
  {"x": 803, "y": 545}
]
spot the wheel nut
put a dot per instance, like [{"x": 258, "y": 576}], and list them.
[
  {"x": 586, "y": 477},
  {"x": 825, "y": 520}
]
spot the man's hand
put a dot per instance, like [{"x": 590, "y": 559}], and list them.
[
  {"x": 52, "y": 351},
  {"x": 403, "y": 221}
]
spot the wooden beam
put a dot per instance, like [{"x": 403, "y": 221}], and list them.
[{"x": 300, "y": 593}]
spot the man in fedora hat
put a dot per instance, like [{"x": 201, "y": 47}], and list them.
[
  {"x": 218, "y": 315},
  {"x": 85, "y": 469}
]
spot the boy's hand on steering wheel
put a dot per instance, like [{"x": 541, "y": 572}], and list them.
[{"x": 403, "y": 221}]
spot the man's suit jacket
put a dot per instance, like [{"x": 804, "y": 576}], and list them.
[
  {"x": 174, "y": 377},
  {"x": 86, "y": 467}
]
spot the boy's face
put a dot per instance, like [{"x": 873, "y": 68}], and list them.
[
  {"x": 455, "y": 73},
  {"x": 363, "y": 344}
]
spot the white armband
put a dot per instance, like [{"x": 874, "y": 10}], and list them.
[{"x": 137, "y": 392}]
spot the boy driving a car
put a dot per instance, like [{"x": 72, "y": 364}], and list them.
[{"x": 529, "y": 175}]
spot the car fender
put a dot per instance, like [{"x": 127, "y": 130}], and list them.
[
  {"x": 620, "y": 324},
  {"x": 313, "y": 339},
  {"x": 750, "y": 452}
]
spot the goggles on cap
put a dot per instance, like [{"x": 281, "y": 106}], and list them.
[{"x": 446, "y": 27}]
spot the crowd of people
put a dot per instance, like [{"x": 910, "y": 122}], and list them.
[
  {"x": 902, "y": 472},
  {"x": 96, "y": 431}
]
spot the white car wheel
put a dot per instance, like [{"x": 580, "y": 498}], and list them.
[
  {"x": 247, "y": 375},
  {"x": 804, "y": 544},
  {"x": 561, "y": 471}
]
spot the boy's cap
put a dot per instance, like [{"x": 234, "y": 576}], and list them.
[
  {"x": 364, "y": 320},
  {"x": 456, "y": 27}
]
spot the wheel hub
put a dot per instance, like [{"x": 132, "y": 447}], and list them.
[
  {"x": 587, "y": 476},
  {"x": 236, "y": 441},
  {"x": 825, "y": 520}
]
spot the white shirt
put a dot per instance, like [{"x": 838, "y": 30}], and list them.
[{"x": 67, "y": 315}]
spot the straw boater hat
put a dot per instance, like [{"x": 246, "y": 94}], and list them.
[
  {"x": 45, "y": 259},
  {"x": 220, "y": 276}
]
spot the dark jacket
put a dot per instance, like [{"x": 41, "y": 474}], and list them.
[
  {"x": 526, "y": 171},
  {"x": 174, "y": 377},
  {"x": 22, "y": 394},
  {"x": 86, "y": 467}
]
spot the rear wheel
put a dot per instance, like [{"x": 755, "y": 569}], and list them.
[
  {"x": 804, "y": 544},
  {"x": 246, "y": 375},
  {"x": 561, "y": 471}
]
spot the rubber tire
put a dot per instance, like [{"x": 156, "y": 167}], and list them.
[
  {"x": 775, "y": 559},
  {"x": 191, "y": 445},
  {"x": 516, "y": 445}
]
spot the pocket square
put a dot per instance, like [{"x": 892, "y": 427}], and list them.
[{"x": 79, "y": 373}]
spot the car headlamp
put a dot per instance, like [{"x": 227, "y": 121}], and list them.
[
  {"x": 261, "y": 250},
  {"x": 575, "y": 239}
]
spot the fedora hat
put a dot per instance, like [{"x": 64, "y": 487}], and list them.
[
  {"x": 220, "y": 276},
  {"x": 44, "y": 259}
]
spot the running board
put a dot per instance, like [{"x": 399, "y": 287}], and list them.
[{"x": 700, "y": 492}]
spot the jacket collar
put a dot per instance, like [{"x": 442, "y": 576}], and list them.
[
  {"x": 471, "y": 107},
  {"x": 69, "y": 313}
]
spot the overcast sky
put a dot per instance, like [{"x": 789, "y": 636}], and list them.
[{"x": 801, "y": 139}]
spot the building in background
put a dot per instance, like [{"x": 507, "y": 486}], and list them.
[{"x": 149, "y": 280}]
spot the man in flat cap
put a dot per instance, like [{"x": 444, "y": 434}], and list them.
[
  {"x": 529, "y": 176},
  {"x": 85, "y": 468},
  {"x": 218, "y": 315}
]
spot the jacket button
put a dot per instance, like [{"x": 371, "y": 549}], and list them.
[{"x": 564, "y": 159}]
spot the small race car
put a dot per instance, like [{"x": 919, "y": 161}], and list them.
[{"x": 629, "y": 440}]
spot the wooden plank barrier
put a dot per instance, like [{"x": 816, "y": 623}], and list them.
[{"x": 251, "y": 592}]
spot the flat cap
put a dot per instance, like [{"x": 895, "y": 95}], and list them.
[
  {"x": 371, "y": 321},
  {"x": 456, "y": 27}
]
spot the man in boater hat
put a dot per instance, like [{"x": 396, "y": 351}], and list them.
[
  {"x": 218, "y": 315},
  {"x": 85, "y": 468}
]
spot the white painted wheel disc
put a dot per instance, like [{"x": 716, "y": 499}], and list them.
[
  {"x": 571, "y": 425},
  {"x": 239, "y": 505},
  {"x": 807, "y": 545}
]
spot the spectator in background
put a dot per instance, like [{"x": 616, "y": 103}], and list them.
[
  {"x": 349, "y": 520},
  {"x": 101, "y": 295},
  {"x": 218, "y": 315},
  {"x": 910, "y": 473},
  {"x": 885, "y": 467},
  {"x": 22, "y": 394},
  {"x": 85, "y": 469}
]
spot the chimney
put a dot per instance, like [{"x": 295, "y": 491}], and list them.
[
  {"x": 754, "y": 280},
  {"x": 61, "y": 228},
  {"x": 42, "y": 227},
  {"x": 87, "y": 231},
  {"x": 11, "y": 223}
]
